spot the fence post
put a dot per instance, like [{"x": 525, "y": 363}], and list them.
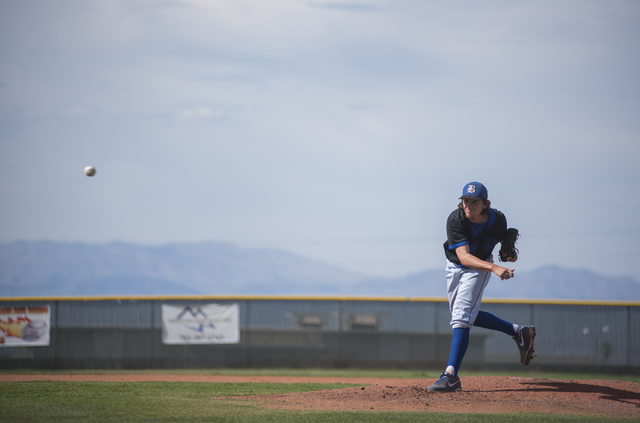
[
  {"x": 628, "y": 335},
  {"x": 152, "y": 329},
  {"x": 531, "y": 314},
  {"x": 340, "y": 334},
  {"x": 55, "y": 343},
  {"x": 436, "y": 329},
  {"x": 247, "y": 325}
]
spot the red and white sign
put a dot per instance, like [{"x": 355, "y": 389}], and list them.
[{"x": 25, "y": 326}]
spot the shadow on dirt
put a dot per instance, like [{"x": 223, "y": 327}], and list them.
[{"x": 573, "y": 386}]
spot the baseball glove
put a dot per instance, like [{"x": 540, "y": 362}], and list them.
[{"x": 508, "y": 249}]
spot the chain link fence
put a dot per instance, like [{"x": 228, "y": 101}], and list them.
[{"x": 330, "y": 332}]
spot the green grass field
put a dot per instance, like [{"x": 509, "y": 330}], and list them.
[{"x": 44, "y": 401}]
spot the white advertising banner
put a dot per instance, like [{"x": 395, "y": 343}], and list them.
[
  {"x": 25, "y": 326},
  {"x": 201, "y": 324}
]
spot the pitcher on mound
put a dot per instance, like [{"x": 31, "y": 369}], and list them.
[{"x": 473, "y": 230}]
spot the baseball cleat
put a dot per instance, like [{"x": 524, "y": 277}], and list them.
[
  {"x": 524, "y": 338},
  {"x": 446, "y": 383}
]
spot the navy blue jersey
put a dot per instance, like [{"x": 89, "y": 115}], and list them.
[{"x": 481, "y": 238}]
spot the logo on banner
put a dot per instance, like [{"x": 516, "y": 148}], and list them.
[
  {"x": 207, "y": 324},
  {"x": 198, "y": 322}
]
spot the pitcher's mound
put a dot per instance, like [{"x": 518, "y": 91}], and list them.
[{"x": 478, "y": 395}]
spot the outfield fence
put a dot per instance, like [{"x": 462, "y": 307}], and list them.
[{"x": 127, "y": 333}]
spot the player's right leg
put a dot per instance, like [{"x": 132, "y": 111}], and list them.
[
  {"x": 446, "y": 383},
  {"x": 465, "y": 287}
]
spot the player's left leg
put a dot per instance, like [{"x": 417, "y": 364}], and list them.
[
  {"x": 523, "y": 335},
  {"x": 524, "y": 338},
  {"x": 492, "y": 322}
]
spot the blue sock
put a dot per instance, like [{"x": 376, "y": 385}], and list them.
[
  {"x": 489, "y": 321},
  {"x": 459, "y": 345}
]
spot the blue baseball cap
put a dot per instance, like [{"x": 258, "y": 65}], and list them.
[{"x": 475, "y": 191}]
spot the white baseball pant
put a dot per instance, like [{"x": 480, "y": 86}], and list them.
[{"x": 465, "y": 287}]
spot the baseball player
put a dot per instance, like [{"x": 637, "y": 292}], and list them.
[{"x": 473, "y": 230}]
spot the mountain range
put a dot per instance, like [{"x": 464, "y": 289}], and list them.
[{"x": 46, "y": 268}]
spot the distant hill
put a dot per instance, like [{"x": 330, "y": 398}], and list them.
[
  {"x": 548, "y": 282},
  {"x": 47, "y": 268},
  {"x": 560, "y": 283},
  {"x": 58, "y": 268}
]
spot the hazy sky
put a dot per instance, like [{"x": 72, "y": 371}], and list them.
[{"x": 341, "y": 131}]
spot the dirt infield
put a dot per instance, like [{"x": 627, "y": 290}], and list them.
[{"x": 479, "y": 394}]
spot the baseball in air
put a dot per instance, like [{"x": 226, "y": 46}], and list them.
[{"x": 90, "y": 170}]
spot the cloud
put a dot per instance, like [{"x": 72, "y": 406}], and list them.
[
  {"x": 352, "y": 7},
  {"x": 77, "y": 111},
  {"x": 203, "y": 112}
]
